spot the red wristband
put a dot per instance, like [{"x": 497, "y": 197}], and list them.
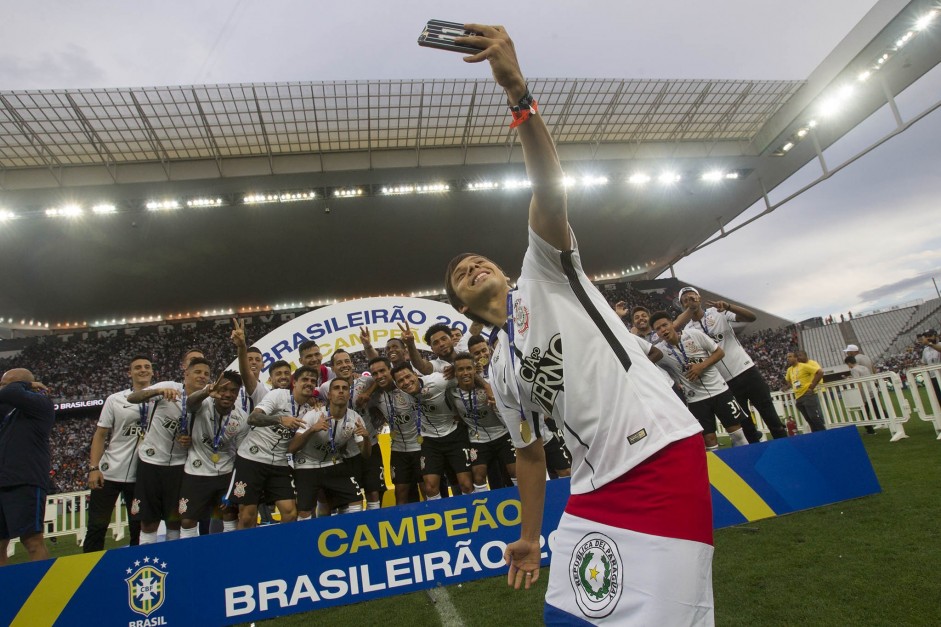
[{"x": 523, "y": 114}]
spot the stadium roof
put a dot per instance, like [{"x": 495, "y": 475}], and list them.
[{"x": 292, "y": 192}]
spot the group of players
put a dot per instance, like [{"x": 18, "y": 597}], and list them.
[{"x": 223, "y": 447}]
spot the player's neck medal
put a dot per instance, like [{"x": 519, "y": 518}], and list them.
[
  {"x": 215, "y": 458},
  {"x": 525, "y": 431}
]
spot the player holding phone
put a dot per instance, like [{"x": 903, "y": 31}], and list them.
[{"x": 635, "y": 542}]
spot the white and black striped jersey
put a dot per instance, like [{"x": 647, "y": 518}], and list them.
[
  {"x": 613, "y": 404},
  {"x": 718, "y": 326},
  {"x": 483, "y": 423},
  {"x": 214, "y": 433},
  {"x": 128, "y": 423},
  {"x": 400, "y": 411},
  {"x": 332, "y": 445},
  {"x": 694, "y": 347},
  {"x": 159, "y": 446},
  {"x": 269, "y": 445}
]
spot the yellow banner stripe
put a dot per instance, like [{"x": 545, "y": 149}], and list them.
[
  {"x": 55, "y": 590},
  {"x": 736, "y": 490}
]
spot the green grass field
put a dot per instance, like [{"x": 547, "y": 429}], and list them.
[{"x": 871, "y": 561}]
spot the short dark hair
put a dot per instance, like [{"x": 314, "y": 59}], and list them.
[
  {"x": 395, "y": 339},
  {"x": 198, "y": 361},
  {"x": 400, "y": 368},
  {"x": 300, "y": 372},
  {"x": 436, "y": 328},
  {"x": 233, "y": 376},
  {"x": 139, "y": 358},
  {"x": 849, "y": 359},
  {"x": 332, "y": 381},
  {"x": 658, "y": 315},
  {"x": 639, "y": 308},
  {"x": 475, "y": 340},
  {"x": 336, "y": 352},
  {"x": 278, "y": 364},
  {"x": 191, "y": 350},
  {"x": 307, "y": 345},
  {"x": 464, "y": 355},
  {"x": 376, "y": 360},
  {"x": 254, "y": 349}
]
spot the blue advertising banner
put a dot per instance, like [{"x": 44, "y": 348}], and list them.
[{"x": 281, "y": 569}]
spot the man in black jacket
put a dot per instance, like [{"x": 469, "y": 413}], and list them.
[{"x": 26, "y": 417}]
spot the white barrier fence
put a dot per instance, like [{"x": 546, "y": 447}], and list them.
[
  {"x": 875, "y": 401},
  {"x": 930, "y": 377},
  {"x": 67, "y": 515}
]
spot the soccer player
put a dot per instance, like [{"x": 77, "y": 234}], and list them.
[
  {"x": 279, "y": 376},
  {"x": 438, "y": 337},
  {"x": 261, "y": 466},
  {"x": 250, "y": 364},
  {"x": 489, "y": 438},
  {"x": 322, "y": 448},
  {"x": 397, "y": 410},
  {"x": 163, "y": 451},
  {"x": 690, "y": 359},
  {"x": 443, "y": 443},
  {"x": 479, "y": 349},
  {"x": 640, "y": 320},
  {"x": 113, "y": 461},
  {"x": 368, "y": 469},
  {"x": 311, "y": 357},
  {"x": 217, "y": 428},
  {"x": 640, "y": 490},
  {"x": 737, "y": 367}
]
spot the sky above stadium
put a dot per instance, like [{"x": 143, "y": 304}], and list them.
[{"x": 866, "y": 238}]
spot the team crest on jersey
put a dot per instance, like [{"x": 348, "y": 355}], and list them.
[
  {"x": 520, "y": 317},
  {"x": 300, "y": 460},
  {"x": 150, "y": 452},
  {"x": 595, "y": 573},
  {"x": 543, "y": 368},
  {"x": 233, "y": 427},
  {"x": 146, "y": 586},
  {"x": 135, "y": 507},
  {"x": 197, "y": 463},
  {"x": 105, "y": 466},
  {"x": 184, "y": 505},
  {"x": 239, "y": 490},
  {"x": 253, "y": 449}
]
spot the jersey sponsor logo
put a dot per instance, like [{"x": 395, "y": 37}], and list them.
[
  {"x": 146, "y": 587},
  {"x": 543, "y": 369},
  {"x": 132, "y": 431},
  {"x": 282, "y": 431},
  {"x": 595, "y": 573},
  {"x": 239, "y": 490},
  {"x": 520, "y": 317},
  {"x": 171, "y": 424},
  {"x": 184, "y": 505},
  {"x": 634, "y": 438}
]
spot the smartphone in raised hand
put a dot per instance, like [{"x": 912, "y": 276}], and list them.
[{"x": 441, "y": 35}]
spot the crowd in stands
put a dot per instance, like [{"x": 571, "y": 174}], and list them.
[{"x": 69, "y": 446}]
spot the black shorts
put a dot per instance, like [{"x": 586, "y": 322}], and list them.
[
  {"x": 157, "y": 492},
  {"x": 451, "y": 451},
  {"x": 557, "y": 454},
  {"x": 201, "y": 496},
  {"x": 22, "y": 511},
  {"x": 370, "y": 473},
  {"x": 251, "y": 480},
  {"x": 501, "y": 449},
  {"x": 406, "y": 467},
  {"x": 722, "y": 406},
  {"x": 337, "y": 481}
]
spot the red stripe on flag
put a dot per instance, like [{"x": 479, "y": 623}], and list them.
[{"x": 667, "y": 495}]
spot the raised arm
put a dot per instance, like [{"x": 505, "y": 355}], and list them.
[
  {"x": 26, "y": 396},
  {"x": 741, "y": 313},
  {"x": 249, "y": 380},
  {"x": 547, "y": 211},
  {"x": 142, "y": 396},
  {"x": 419, "y": 363},
  {"x": 364, "y": 337}
]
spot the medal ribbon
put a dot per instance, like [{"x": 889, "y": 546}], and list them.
[
  {"x": 471, "y": 408},
  {"x": 217, "y": 438},
  {"x": 183, "y": 425},
  {"x": 511, "y": 333},
  {"x": 144, "y": 408}
]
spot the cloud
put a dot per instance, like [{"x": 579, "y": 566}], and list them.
[
  {"x": 899, "y": 287},
  {"x": 71, "y": 66}
]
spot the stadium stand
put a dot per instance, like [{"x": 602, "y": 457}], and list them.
[
  {"x": 877, "y": 332},
  {"x": 824, "y": 345},
  {"x": 926, "y": 315}
]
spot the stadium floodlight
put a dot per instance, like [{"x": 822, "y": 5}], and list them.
[
  {"x": 668, "y": 178},
  {"x": 65, "y": 211},
  {"x": 6, "y": 214},
  {"x": 712, "y": 175},
  {"x": 731, "y": 175},
  {"x": 568, "y": 181},
  {"x": 103, "y": 209},
  {"x": 925, "y": 20},
  {"x": 864, "y": 76},
  {"x": 802, "y": 133},
  {"x": 517, "y": 184},
  {"x": 162, "y": 205},
  {"x": 639, "y": 178},
  {"x": 478, "y": 186},
  {"x": 347, "y": 193},
  {"x": 204, "y": 202},
  {"x": 590, "y": 181},
  {"x": 787, "y": 146}
]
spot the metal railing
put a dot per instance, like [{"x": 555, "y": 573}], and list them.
[{"x": 930, "y": 377}]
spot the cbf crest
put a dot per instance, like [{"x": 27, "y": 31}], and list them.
[{"x": 146, "y": 585}]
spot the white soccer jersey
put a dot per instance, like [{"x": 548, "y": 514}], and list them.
[
  {"x": 127, "y": 423},
  {"x": 400, "y": 411},
  {"x": 247, "y": 402},
  {"x": 440, "y": 365},
  {"x": 694, "y": 347},
  {"x": 436, "y": 415},
  {"x": 269, "y": 445},
  {"x": 483, "y": 423},
  {"x": 359, "y": 384},
  {"x": 930, "y": 357},
  {"x": 214, "y": 433},
  {"x": 159, "y": 446},
  {"x": 718, "y": 326},
  {"x": 615, "y": 404},
  {"x": 332, "y": 445}
]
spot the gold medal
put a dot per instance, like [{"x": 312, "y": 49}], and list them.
[
  {"x": 525, "y": 431},
  {"x": 420, "y": 440},
  {"x": 215, "y": 458}
]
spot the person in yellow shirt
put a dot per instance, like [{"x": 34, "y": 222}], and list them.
[{"x": 804, "y": 375}]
